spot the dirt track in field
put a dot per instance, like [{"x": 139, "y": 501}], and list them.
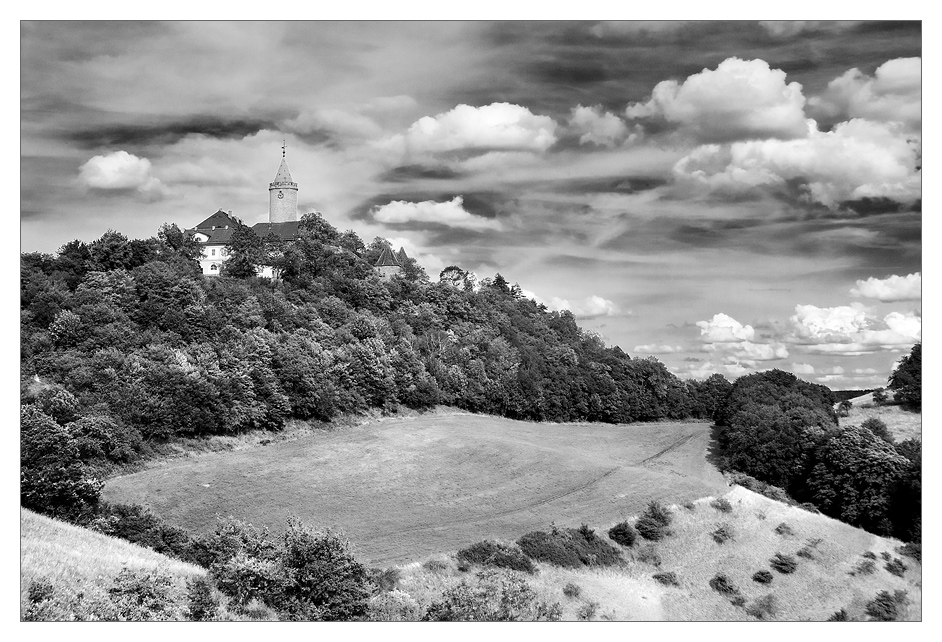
[{"x": 402, "y": 489}]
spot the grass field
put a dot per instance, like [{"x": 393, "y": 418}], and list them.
[
  {"x": 76, "y": 560},
  {"x": 402, "y": 489},
  {"x": 902, "y": 424},
  {"x": 818, "y": 588}
]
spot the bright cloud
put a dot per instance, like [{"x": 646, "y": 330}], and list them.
[
  {"x": 892, "y": 94},
  {"x": 119, "y": 171},
  {"x": 856, "y": 159},
  {"x": 494, "y": 126},
  {"x": 451, "y": 213},
  {"x": 337, "y": 121},
  {"x": 723, "y": 328},
  {"x": 739, "y": 100},
  {"x": 597, "y": 126},
  {"x": 891, "y": 289},
  {"x": 749, "y": 351},
  {"x": 590, "y": 307},
  {"x": 850, "y": 330},
  {"x": 802, "y": 368},
  {"x": 655, "y": 349}
]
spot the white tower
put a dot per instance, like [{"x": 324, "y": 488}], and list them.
[{"x": 282, "y": 195}]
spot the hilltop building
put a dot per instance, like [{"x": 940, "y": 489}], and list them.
[{"x": 215, "y": 232}]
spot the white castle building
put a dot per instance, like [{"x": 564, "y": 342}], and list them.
[{"x": 215, "y": 232}]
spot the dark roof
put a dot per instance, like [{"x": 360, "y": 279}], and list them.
[
  {"x": 219, "y": 236},
  {"x": 401, "y": 256},
  {"x": 219, "y": 219},
  {"x": 387, "y": 259},
  {"x": 287, "y": 231}
]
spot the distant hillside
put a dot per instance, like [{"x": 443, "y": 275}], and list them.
[
  {"x": 903, "y": 424},
  {"x": 76, "y": 560},
  {"x": 819, "y": 587},
  {"x": 841, "y": 395}
]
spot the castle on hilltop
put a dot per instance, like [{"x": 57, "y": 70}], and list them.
[{"x": 214, "y": 233}]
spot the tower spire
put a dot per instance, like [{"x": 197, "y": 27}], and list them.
[{"x": 284, "y": 146}]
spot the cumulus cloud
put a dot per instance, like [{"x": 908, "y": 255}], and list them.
[
  {"x": 432, "y": 263},
  {"x": 857, "y": 159},
  {"x": 494, "y": 126},
  {"x": 704, "y": 369},
  {"x": 598, "y": 126},
  {"x": 802, "y": 368},
  {"x": 739, "y": 100},
  {"x": 655, "y": 349},
  {"x": 851, "y": 330},
  {"x": 119, "y": 171},
  {"x": 451, "y": 213},
  {"x": 749, "y": 351},
  {"x": 891, "y": 289},
  {"x": 892, "y": 94},
  {"x": 590, "y": 307},
  {"x": 723, "y": 328}
]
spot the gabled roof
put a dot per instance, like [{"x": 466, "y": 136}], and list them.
[
  {"x": 401, "y": 255},
  {"x": 387, "y": 259},
  {"x": 287, "y": 231},
  {"x": 219, "y": 219}
]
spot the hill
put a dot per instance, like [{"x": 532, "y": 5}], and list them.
[
  {"x": 902, "y": 424},
  {"x": 819, "y": 587},
  {"x": 402, "y": 489},
  {"x": 77, "y": 560}
]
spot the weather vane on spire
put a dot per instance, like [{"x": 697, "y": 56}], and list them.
[{"x": 284, "y": 146}]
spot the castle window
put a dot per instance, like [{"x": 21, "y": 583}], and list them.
[
  {"x": 213, "y": 267},
  {"x": 212, "y": 252}
]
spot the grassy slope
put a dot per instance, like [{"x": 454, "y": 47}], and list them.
[
  {"x": 402, "y": 489},
  {"x": 76, "y": 559},
  {"x": 816, "y": 590},
  {"x": 902, "y": 424}
]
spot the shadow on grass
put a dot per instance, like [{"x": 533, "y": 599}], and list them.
[{"x": 716, "y": 455}]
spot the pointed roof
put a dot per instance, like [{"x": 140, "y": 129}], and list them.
[
  {"x": 219, "y": 219},
  {"x": 401, "y": 255},
  {"x": 387, "y": 258},
  {"x": 283, "y": 175}
]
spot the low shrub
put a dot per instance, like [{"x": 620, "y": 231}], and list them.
[
  {"x": 885, "y": 607},
  {"x": 668, "y": 578},
  {"x": 723, "y": 585},
  {"x": 623, "y": 533},
  {"x": 784, "y": 564},
  {"x": 757, "y": 486},
  {"x": 896, "y": 567},
  {"x": 762, "y": 577},
  {"x": 864, "y": 567},
  {"x": 760, "y": 515},
  {"x": 569, "y": 548},
  {"x": 870, "y": 555},
  {"x": 394, "y": 606},
  {"x": 912, "y": 550},
  {"x": 495, "y": 596},
  {"x": 763, "y": 608},
  {"x": 784, "y": 530},
  {"x": 202, "y": 604},
  {"x": 385, "y": 579},
  {"x": 808, "y": 506},
  {"x": 886, "y": 556},
  {"x": 722, "y": 534},
  {"x": 488, "y": 553},
  {"x": 878, "y": 428},
  {"x": 145, "y": 597},
  {"x": 136, "y": 524},
  {"x": 572, "y": 590},
  {"x": 838, "y": 616},
  {"x": 39, "y": 591},
  {"x": 648, "y": 555},
  {"x": 587, "y": 611},
  {"x": 435, "y": 565},
  {"x": 690, "y": 506},
  {"x": 722, "y": 504},
  {"x": 738, "y": 600},
  {"x": 806, "y": 552}
]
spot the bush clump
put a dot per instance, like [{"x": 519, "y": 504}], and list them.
[
  {"x": 488, "y": 553},
  {"x": 652, "y": 524},
  {"x": 762, "y": 577},
  {"x": 885, "y": 607},
  {"x": 767, "y": 490},
  {"x": 912, "y": 550},
  {"x": 385, "y": 579},
  {"x": 722, "y": 534},
  {"x": 722, "y": 504},
  {"x": 838, "y": 616},
  {"x": 569, "y": 548},
  {"x": 648, "y": 555},
  {"x": 784, "y": 564},
  {"x": 394, "y": 606},
  {"x": 587, "y": 611},
  {"x": 495, "y": 596},
  {"x": 870, "y": 555},
  {"x": 863, "y": 567},
  {"x": 724, "y": 586},
  {"x": 763, "y": 608},
  {"x": 145, "y": 597},
  {"x": 623, "y": 533},
  {"x": 896, "y": 567},
  {"x": 784, "y": 530},
  {"x": 572, "y": 590},
  {"x": 202, "y": 604},
  {"x": 435, "y": 565},
  {"x": 668, "y": 578}
]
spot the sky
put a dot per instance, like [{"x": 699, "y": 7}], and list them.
[{"x": 725, "y": 196}]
